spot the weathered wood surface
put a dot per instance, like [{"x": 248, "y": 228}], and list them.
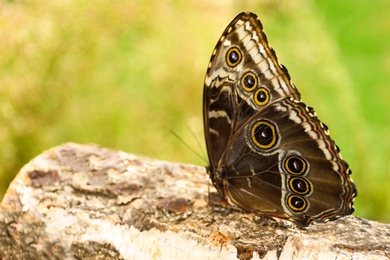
[{"x": 86, "y": 202}]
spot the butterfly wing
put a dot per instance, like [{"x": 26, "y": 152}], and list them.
[
  {"x": 268, "y": 151},
  {"x": 222, "y": 99}
]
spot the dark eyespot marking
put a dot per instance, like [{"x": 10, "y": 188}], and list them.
[
  {"x": 249, "y": 81},
  {"x": 261, "y": 96},
  {"x": 264, "y": 135},
  {"x": 299, "y": 185},
  {"x": 296, "y": 203},
  {"x": 295, "y": 165},
  {"x": 233, "y": 57}
]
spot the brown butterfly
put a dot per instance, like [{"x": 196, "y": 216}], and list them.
[{"x": 268, "y": 152}]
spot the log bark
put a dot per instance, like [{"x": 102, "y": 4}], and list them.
[{"x": 87, "y": 202}]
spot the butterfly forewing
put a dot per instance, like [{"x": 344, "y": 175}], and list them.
[{"x": 268, "y": 151}]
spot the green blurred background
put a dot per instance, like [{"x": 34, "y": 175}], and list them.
[{"x": 125, "y": 74}]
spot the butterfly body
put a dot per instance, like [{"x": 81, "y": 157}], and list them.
[{"x": 268, "y": 151}]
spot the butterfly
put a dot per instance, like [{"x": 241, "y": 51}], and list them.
[{"x": 268, "y": 152}]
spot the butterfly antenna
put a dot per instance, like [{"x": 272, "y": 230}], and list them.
[{"x": 201, "y": 156}]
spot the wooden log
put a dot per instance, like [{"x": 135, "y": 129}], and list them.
[{"x": 86, "y": 202}]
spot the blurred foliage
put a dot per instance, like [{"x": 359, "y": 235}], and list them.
[{"x": 126, "y": 74}]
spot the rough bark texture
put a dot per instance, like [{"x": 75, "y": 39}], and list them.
[{"x": 86, "y": 202}]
